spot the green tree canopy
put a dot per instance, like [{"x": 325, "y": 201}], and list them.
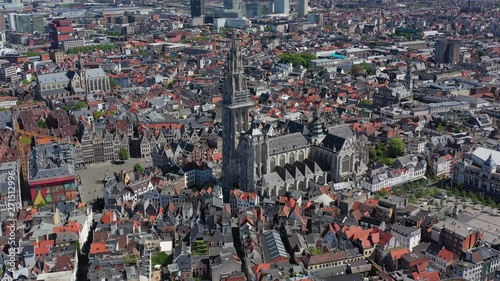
[
  {"x": 81, "y": 105},
  {"x": 123, "y": 154},
  {"x": 112, "y": 83},
  {"x": 357, "y": 70},
  {"x": 396, "y": 147},
  {"x": 161, "y": 259},
  {"x": 367, "y": 67},
  {"x": 297, "y": 59},
  {"x": 86, "y": 49},
  {"x": 98, "y": 114},
  {"x": 41, "y": 124},
  {"x": 138, "y": 168}
]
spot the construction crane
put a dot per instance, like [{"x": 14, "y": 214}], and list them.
[{"x": 23, "y": 152}]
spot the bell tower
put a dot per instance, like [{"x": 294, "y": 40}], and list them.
[{"x": 236, "y": 107}]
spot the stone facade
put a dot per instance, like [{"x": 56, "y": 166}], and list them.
[
  {"x": 98, "y": 145},
  {"x": 479, "y": 171},
  {"x": 72, "y": 84}
]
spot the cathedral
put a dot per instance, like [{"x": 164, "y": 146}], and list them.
[{"x": 271, "y": 160}]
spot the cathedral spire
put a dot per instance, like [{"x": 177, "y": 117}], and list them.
[
  {"x": 234, "y": 59},
  {"x": 235, "y": 85}
]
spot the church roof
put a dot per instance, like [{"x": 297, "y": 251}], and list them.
[
  {"x": 287, "y": 142},
  {"x": 333, "y": 142},
  {"x": 59, "y": 77},
  {"x": 95, "y": 73}
]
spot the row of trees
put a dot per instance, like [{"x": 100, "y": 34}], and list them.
[
  {"x": 86, "y": 49},
  {"x": 298, "y": 59}
]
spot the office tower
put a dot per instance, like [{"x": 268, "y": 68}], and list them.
[
  {"x": 439, "y": 51},
  {"x": 303, "y": 8},
  {"x": 315, "y": 18},
  {"x": 233, "y": 4},
  {"x": 453, "y": 51},
  {"x": 282, "y": 7},
  {"x": 253, "y": 9},
  {"x": 237, "y": 6},
  {"x": 197, "y": 8},
  {"x": 29, "y": 23},
  {"x": 447, "y": 51}
]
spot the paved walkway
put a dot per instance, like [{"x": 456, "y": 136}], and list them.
[{"x": 93, "y": 175}]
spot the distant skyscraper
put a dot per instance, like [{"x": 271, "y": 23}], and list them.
[
  {"x": 447, "y": 51},
  {"x": 282, "y": 7},
  {"x": 315, "y": 18},
  {"x": 29, "y": 23},
  {"x": 197, "y": 8},
  {"x": 439, "y": 51},
  {"x": 453, "y": 51},
  {"x": 303, "y": 8}
]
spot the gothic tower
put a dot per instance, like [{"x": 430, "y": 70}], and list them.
[
  {"x": 409, "y": 76},
  {"x": 236, "y": 107}
]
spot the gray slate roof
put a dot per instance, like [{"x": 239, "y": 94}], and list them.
[
  {"x": 287, "y": 142},
  {"x": 95, "y": 73},
  {"x": 59, "y": 77}
]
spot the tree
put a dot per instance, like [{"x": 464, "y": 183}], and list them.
[
  {"x": 112, "y": 83},
  {"x": 315, "y": 251},
  {"x": 357, "y": 70},
  {"x": 367, "y": 67},
  {"x": 98, "y": 114},
  {"x": 41, "y": 124},
  {"x": 396, "y": 147},
  {"x": 81, "y": 105},
  {"x": 138, "y": 168},
  {"x": 131, "y": 259},
  {"x": 297, "y": 59},
  {"x": 161, "y": 259},
  {"x": 123, "y": 154}
]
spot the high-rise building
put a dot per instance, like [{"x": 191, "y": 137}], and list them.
[
  {"x": 255, "y": 8},
  {"x": 447, "y": 51},
  {"x": 236, "y": 106},
  {"x": 197, "y": 8},
  {"x": 235, "y": 6},
  {"x": 282, "y": 7},
  {"x": 453, "y": 53},
  {"x": 315, "y": 18},
  {"x": 60, "y": 30},
  {"x": 303, "y": 8},
  {"x": 29, "y": 23}
]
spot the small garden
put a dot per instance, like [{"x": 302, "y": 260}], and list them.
[{"x": 387, "y": 154}]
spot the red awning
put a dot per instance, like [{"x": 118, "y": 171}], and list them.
[{"x": 52, "y": 181}]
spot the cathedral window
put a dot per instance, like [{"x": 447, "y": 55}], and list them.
[
  {"x": 272, "y": 163},
  {"x": 345, "y": 164},
  {"x": 291, "y": 158},
  {"x": 282, "y": 160},
  {"x": 301, "y": 155}
]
